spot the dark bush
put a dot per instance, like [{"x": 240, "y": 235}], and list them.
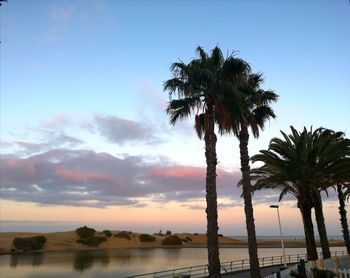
[
  {"x": 196, "y": 234},
  {"x": 220, "y": 235},
  {"x": 146, "y": 238},
  {"x": 184, "y": 240},
  {"x": 29, "y": 243},
  {"x": 85, "y": 232},
  {"x": 323, "y": 273},
  {"x": 96, "y": 240},
  {"x": 159, "y": 233},
  {"x": 172, "y": 240},
  {"x": 92, "y": 241},
  {"x": 123, "y": 234},
  {"x": 189, "y": 239},
  {"x": 107, "y": 233},
  {"x": 168, "y": 233}
]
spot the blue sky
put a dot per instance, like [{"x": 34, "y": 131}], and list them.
[{"x": 82, "y": 78}]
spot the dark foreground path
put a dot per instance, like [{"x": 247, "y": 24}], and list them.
[{"x": 246, "y": 274}]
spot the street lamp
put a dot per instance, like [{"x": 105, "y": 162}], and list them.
[{"x": 279, "y": 222}]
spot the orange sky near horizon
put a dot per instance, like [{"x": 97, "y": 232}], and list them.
[{"x": 173, "y": 216}]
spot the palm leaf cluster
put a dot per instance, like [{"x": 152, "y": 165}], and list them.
[
  {"x": 255, "y": 107},
  {"x": 207, "y": 84}
]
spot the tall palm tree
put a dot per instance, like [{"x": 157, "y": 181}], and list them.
[
  {"x": 303, "y": 164},
  {"x": 255, "y": 111},
  {"x": 199, "y": 87}
]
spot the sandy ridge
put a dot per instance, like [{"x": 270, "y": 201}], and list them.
[{"x": 65, "y": 241}]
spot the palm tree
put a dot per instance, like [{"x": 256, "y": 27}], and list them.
[
  {"x": 321, "y": 227},
  {"x": 285, "y": 169},
  {"x": 343, "y": 190},
  {"x": 200, "y": 87},
  {"x": 343, "y": 217},
  {"x": 255, "y": 111},
  {"x": 303, "y": 164},
  {"x": 334, "y": 151}
]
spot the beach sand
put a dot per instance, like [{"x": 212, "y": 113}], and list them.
[{"x": 65, "y": 241}]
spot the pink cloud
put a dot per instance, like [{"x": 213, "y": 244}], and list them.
[
  {"x": 77, "y": 176},
  {"x": 179, "y": 172}
]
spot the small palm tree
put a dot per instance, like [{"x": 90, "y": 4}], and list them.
[
  {"x": 341, "y": 189},
  {"x": 335, "y": 159},
  {"x": 303, "y": 164},
  {"x": 199, "y": 87},
  {"x": 254, "y": 111},
  {"x": 283, "y": 170}
]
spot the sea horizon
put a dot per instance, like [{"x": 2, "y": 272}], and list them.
[{"x": 11, "y": 226}]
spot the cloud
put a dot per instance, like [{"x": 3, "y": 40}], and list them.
[
  {"x": 121, "y": 131},
  {"x": 86, "y": 178},
  {"x": 78, "y": 177},
  {"x": 56, "y": 132},
  {"x": 50, "y": 140}
]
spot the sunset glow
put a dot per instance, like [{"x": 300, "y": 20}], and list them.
[{"x": 84, "y": 136}]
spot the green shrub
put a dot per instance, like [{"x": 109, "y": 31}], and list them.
[
  {"x": 146, "y": 238},
  {"x": 189, "y": 239},
  {"x": 29, "y": 243},
  {"x": 123, "y": 234},
  {"x": 107, "y": 233},
  {"x": 168, "y": 233},
  {"x": 92, "y": 241},
  {"x": 184, "y": 240},
  {"x": 85, "y": 232},
  {"x": 172, "y": 240}
]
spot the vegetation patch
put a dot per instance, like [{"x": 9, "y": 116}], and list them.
[
  {"x": 189, "y": 239},
  {"x": 123, "y": 234},
  {"x": 29, "y": 243},
  {"x": 107, "y": 233},
  {"x": 159, "y": 233},
  {"x": 172, "y": 240},
  {"x": 87, "y": 236},
  {"x": 146, "y": 238},
  {"x": 92, "y": 241},
  {"x": 323, "y": 273},
  {"x": 85, "y": 232}
]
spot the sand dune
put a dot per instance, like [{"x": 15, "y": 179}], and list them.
[{"x": 64, "y": 241}]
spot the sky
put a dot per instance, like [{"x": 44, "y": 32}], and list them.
[{"x": 84, "y": 137}]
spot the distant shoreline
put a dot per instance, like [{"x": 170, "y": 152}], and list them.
[{"x": 66, "y": 241}]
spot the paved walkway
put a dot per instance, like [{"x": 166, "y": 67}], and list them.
[{"x": 246, "y": 274}]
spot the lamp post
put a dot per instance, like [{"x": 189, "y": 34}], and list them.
[{"x": 279, "y": 222}]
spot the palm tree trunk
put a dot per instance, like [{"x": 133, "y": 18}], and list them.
[
  {"x": 248, "y": 206},
  {"x": 211, "y": 196},
  {"x": 343, "y": 218},
  {"x": 309, "y": 233},
  {"x": 321, "y": 227}
]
